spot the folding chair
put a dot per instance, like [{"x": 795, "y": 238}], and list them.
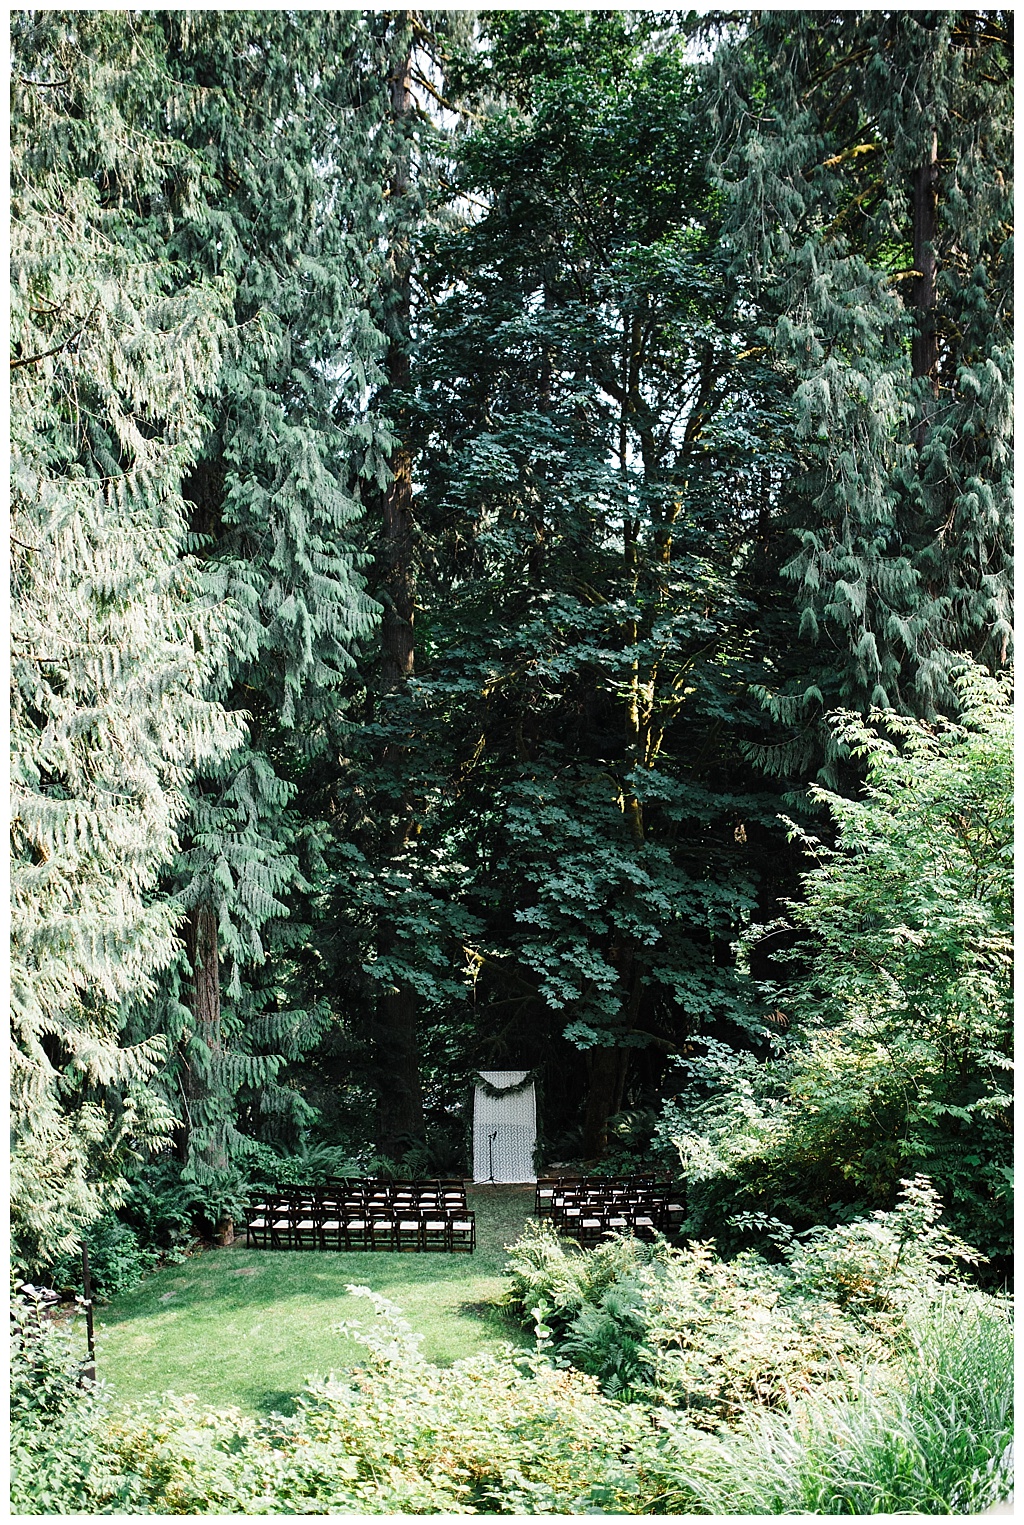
[
  {"x": 257, "y": 1224},
  {"x": 280, "y": 1224},
  {"x": 462, "y": 1232},
  {"x": 644, "y": 1223},
  {"x": 544, "y": 1197},
  {"x": 435, "y": 1229},
  {"x": 330, "y": 1223},
  {"x": 383, "y": 1229},
  {"x": 355, "y": 1228},
  {"x": 408, "y": 1229},
  {"x": 305, "y": 1224},
  {"x": 590, "y": 1230},
  {"x": 569, "y": 1221}
]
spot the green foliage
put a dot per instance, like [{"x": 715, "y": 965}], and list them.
[
  {"x": 117, "y": 1260},
  {"x": 594, "y": 602},
  {"x": 166, "y": 1211},
  {"x": 897, "y": 1053},
  {"x": 709, "y": 1336},
  {"x": 291, "y": 213},
  {"x": 902, "y": 505},
  {"x": 195, "y": 236},
  {"x": 267, "y": 1166},
  {"x": 55, "y": 1448},
  {"x": 115, "y": 640},
  {"x": 649, "y": 334},
  {"x": 930, "y": 1434}
]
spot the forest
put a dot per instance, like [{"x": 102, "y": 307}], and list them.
[{"x": 510, "y": 552}]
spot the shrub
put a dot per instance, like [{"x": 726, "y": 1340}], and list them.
[
  {"x": 895, "y": 1002},
  {"x": 117, "y": 1261},
  {"x": 165, "y": 1211},
  {"x": 55, "y": 1413},
  {"x": 930, "y": 1433},
  {"x": 710, "y": 1336}
]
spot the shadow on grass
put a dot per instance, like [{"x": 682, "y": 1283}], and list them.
[
  {"x": 305, "y": 1275},
  {"x": 271, "y": 1402},
  {"x": 494, "y": 1315}
]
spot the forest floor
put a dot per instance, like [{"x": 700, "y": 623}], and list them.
[{"x": 247, "y": 1327}]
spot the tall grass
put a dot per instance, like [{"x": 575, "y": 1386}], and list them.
[{"x": 930, "y": 1432}]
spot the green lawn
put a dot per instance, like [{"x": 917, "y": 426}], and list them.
[{"x": 246, "y": 1327}]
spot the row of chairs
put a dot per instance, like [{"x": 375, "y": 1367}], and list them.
[
  {"x": 550, "y": 1186},
  {"x": 587, "y": 1209},
  {"x": 373, "y": 1191},
  {"x": 283, "y": 1223}
]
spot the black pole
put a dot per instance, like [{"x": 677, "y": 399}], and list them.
[
  {"x": 490, "y": 1155},
  {"x": 89, "y": 1371}
]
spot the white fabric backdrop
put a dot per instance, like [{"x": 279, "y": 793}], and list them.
[{"x": 504, "y": 1129}]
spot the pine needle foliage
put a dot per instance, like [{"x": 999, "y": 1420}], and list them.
[
  {"x": 116, "y": 640},
  {"x": 286, "y": 112},
  {"x": 866, "y": 161}
]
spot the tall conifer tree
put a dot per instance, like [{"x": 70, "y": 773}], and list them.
[
  {"x": 116, "y": 641},
  {"x": 288, "y": 111},
  {"x": 868, "y": 163}
]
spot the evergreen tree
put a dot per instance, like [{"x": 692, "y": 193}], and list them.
[
  {"x": 287, "y": 113},
  {"x": 868, "y": 164},
  {"x": 116, "y": 641}
]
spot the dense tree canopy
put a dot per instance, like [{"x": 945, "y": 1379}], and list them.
[{"x": 462, "y": 468}]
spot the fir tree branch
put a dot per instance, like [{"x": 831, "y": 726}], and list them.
[
  {"x": 463, "y": 111},
  {"x": 34, "y": 359}
]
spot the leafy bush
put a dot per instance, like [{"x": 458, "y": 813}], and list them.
[
  {"x": 166, "y": 1211},
  {"x": 55, "y": 1415},
  {"x": 117, "y": 1261},
  {"x": 689, "y": 1329},
  {"x": 931, "y": 1433},
  {"x": 896, "y": 1050},
  {"x": 267, "y": 1166}
]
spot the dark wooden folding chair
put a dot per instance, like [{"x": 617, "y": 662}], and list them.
[
  {"x": 590, "y": 1229},
  {"x": 281, "y": 1224},
  {"x": 383, "y": 1229},
  {"x": 408, "y": 1229},
  {"x": 355, "y": 1227},
  {"x": 462, "y": 1232},
  {"x": 330, "y": 1223},
  {"x": 544, "y": 1196},
  {"x": 257, "y": 1224},
  {"x": 435, "y": 1229},
  {"x": 305, "y": 1229}
]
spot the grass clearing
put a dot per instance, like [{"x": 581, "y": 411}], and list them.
[{"x": 247, "y": 1327}]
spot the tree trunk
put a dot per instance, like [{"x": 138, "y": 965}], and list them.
[
  {"x": 924, "y": 347},
  {"x": 399, "y": 1117},
  {"x": 201, "y": 945},
  {"x": 606, "y": 1069},
  {"x": 399, "y": 1113},
  {"x": 398, "y": 583}
]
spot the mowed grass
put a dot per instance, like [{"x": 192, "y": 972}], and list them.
[{"x": 247, "y": 1327}]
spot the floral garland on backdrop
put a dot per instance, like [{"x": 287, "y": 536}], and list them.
[{"x": 494, "y": 1092}]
